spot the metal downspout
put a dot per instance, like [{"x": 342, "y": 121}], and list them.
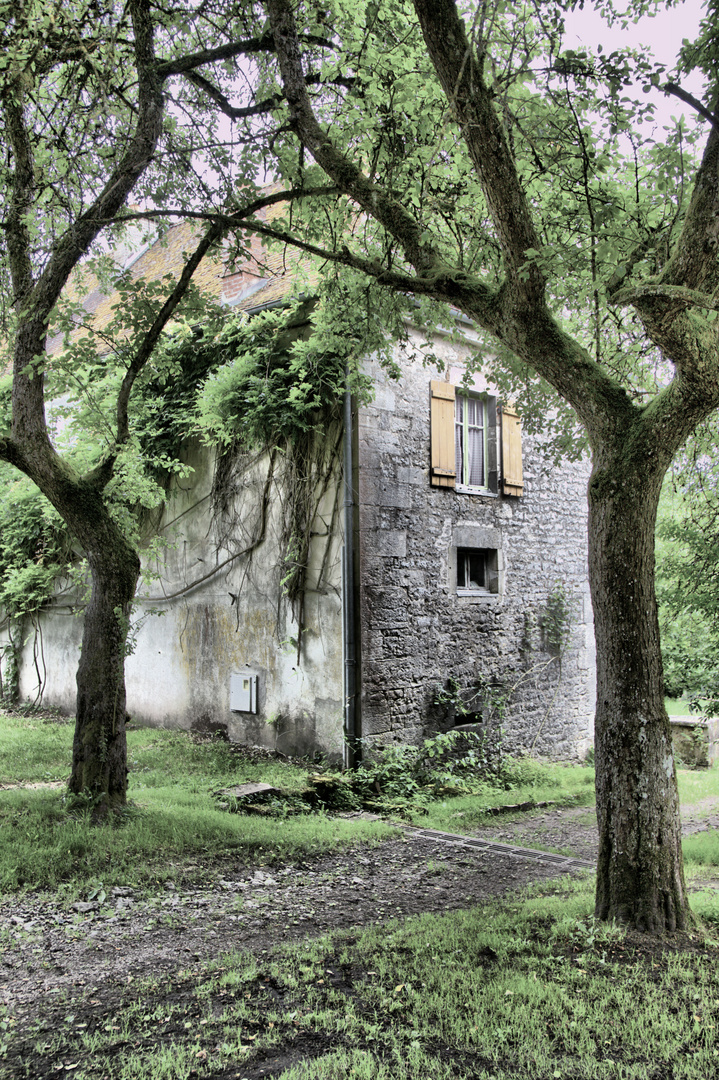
[{"x": 348, "y": 593}]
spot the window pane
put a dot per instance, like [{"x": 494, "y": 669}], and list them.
[
  {"x": 476, "y": 457},
  {"x": 459, "y": 439},
  {"x": 471, "y": 568},
  {"x": 474, "y": 411},
  {"x": 470, "y": 441},
  {"x": 475, "y": 569}
]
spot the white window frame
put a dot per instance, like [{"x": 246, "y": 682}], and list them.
[{"x": 463, "y": 467}]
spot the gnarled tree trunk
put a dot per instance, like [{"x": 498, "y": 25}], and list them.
[
  {"x": 640, "y": 878},
  {"x": 99, "y": 754}
]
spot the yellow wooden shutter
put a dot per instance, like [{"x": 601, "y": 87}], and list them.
[
  {"x": 443, "y": 470},
  {"x": 512, "y": 476}
]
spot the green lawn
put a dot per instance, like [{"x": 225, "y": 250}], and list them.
[
  {"x": 527, "y": 989},
  {"x": 172, "y": 818},
  {"x": 173, "y": 822}
]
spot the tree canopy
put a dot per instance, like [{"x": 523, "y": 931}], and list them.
[{"x": 484, "y": 166}]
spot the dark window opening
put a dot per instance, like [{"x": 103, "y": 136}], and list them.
[
  {"x": 477, "y": 570},
  {"x": 471, "y": 568}
]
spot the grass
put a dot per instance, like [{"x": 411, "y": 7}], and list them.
[
  {"x": 171, "y": 822},
  {"x": 524, "y": 780},
  {"x": 526, "y": 989},
  {"x": 174, "y": 827}
]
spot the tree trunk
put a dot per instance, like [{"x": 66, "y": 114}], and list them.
[
  {"x": 640, "y": 877},
  {"x": 99, "y": 753}
]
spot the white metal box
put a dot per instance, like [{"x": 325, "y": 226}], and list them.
[{"x": 243, "y": 692}]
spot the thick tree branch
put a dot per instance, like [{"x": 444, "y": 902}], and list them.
[
  {"x": 161, "y": 320},
  {"x": 260, "y": 107},
  {"x": 11, "y": 452},
  {"x": 463, "y": 83},
  {"x": 75, "y": 242},
  {"x": 693, "y": 263},
  {"x": 689, "y": 297},
  {"x": 516, "y": 313},
  {"x": 29, "y": 427},
  {"x": 223, "y": 102},
  {"x": 23, "y": 188},
  {"x": 229, "y": 219},
  {"x": 348, "y": 177},
  {"x": 263, "y": 44}
]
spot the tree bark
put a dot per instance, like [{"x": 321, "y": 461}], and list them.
[
  {"x": 640, "y": 877},
  {"x": 99, "y": 753}
]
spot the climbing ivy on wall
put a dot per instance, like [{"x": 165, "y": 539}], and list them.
[{"x": 269, "y": 385}]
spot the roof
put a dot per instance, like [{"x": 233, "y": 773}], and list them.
[{"x": 267, "y": 275}]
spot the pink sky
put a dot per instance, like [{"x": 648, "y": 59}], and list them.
[{"x": 661, "y": 35}]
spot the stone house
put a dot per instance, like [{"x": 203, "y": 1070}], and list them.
[{"x": 445, "y": 577}]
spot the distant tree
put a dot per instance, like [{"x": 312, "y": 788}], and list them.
[
  {"x": 477, "y": 163},
  {"x": 687, "y": 560}
]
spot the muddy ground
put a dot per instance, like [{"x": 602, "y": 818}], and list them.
[{"x": 86, "y": 956}]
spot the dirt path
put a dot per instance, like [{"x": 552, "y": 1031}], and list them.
[
  {"x": 574, "y": 831},
  {"x": 88, "y": 955}
]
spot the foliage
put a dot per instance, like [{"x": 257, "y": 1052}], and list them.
[
  {"x": 687, "y": 583},
  {"x": 479, "y": 162},
  {"x": 35, "y": 545},
  {"x": 555, "y": 620},
  {"x": 281, "y": 374}
]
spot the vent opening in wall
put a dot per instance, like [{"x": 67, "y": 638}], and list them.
[{"x": 243, "y": 692}]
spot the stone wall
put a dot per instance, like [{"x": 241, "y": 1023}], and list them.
[
  {"x": 207, "y": 612},
  {"x": 417, "y": 633}
]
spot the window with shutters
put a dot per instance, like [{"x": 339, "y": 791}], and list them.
[{"x": 471, "y": 437}]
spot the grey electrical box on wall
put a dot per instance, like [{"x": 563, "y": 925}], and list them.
[{"x": 243, "y": 692}]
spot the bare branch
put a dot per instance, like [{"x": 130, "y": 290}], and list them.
[{"x": 689, "y": 99}]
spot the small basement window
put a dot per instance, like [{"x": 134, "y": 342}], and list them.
[{"x": 477, "y": 571}]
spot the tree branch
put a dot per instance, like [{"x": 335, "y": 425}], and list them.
[
  {"x": 260, "y": 107},
  {"x": 23, "y": 187},
  {"x": 693, "y": 263},
  {"x": 223, "y": 103},
  {"x": 463, "y": 83},
  {"x": 11, "y": 452},
  {"x": 349, "y": 178},
  {"x": 75, "y": 242},
  {"x": 227, "y": 52},
  {"x": 689, "y": 99},
  {"x": 152, "y": 336},
  {"x": 691, "y": 297}
]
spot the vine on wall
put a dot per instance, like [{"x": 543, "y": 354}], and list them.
[{"x": 262, "y": 388}]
